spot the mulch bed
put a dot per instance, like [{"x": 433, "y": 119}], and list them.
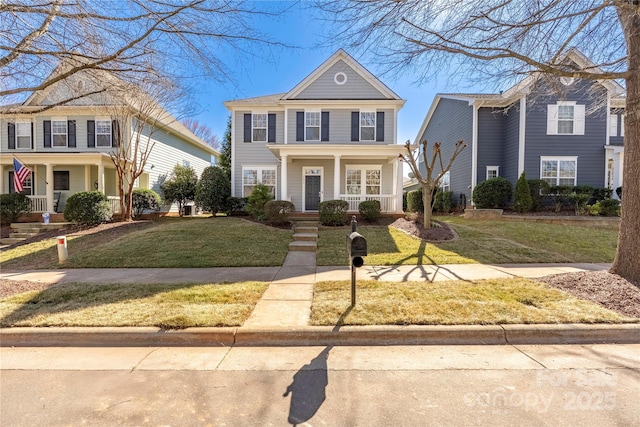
[{"x": 441, "y": 233}]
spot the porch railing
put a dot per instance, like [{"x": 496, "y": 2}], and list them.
[
  {"x": 114, "y": 201},
  {"x": 38, "y": 203},
  {"x": 387, "y": 201}
]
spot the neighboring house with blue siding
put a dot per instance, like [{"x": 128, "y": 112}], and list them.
[
  {"x": 332, "y": 136},
  {"x": 67, "y": 147},
  {"x": 564, "y": 131}
]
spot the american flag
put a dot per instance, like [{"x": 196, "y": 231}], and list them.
[{"x": 20, "y": 174}]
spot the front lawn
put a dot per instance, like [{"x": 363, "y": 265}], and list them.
[
  {"x": 167, "y": 243},
  {"x": 488, "y": 242}
]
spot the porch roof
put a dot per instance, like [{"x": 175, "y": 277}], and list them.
[
  {"x": 344, "y": 151},
  {"x": 40, "y": 158}
]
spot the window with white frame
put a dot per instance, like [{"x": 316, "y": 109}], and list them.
[
  {"x": 59, "y": 133},
  {"x": 312, "y": 125},
  {"x": 367, "y": 126},
  {"x": 364, "y": 180},
  {"x": 559, "y": 170},
  {"x": 613, "y": 125},
  {"x": 259, "y": 127},
  {"x": 103, "y": 133},
  {"x": 252, "y": 176},
  {"x": 27, "y": 185},
  {"x": 493, "y": 171},
  {"x": 445, "y": 181},
  {"x": 23, "y": 134},
  {"x": 565, "y": 118},
  {"x": 622, "y": 125}
]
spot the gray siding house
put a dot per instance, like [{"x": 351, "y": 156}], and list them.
[
  {"x": 67, "y": 147},
  {"x": 564, "y": 131},
  {"x": 332, "y": 136}
]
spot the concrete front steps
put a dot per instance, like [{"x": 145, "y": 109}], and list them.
[
  {"x": 305, "y": 237},
  {"x": 21, "y": 231}
]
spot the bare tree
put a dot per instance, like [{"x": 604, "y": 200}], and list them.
[
  {"x": 122, "y": 38},
  {"x": 203, "y": 132},
  {"x": 429, "y": 182},
  {"x": 508, "y": 39}
]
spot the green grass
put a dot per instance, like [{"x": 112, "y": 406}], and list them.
[
  {"x": 167, "y": 243},
  {"x": 496, "y": 301},
  {"x": 171, "y": 306},
  {"x": 488, "y": 242}
]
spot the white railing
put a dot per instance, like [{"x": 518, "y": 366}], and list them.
[
  {"x": 38, "y": 203},
  {"x": 114, "y": 201},
  {"x": 387, "y": 201}
]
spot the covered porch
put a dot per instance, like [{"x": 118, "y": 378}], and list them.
[
  {"x": 311, "y": 174},
  {"x": 56, "y": 176}
]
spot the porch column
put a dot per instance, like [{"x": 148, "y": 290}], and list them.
[
  {"x": 49, "y": 186},
  {"x": 2, "y": 172},
  {"x": 101, "y": 177},
  {"x": 284, "y": 178},
  {"x": 336, "y": 177},
  {"x": 87, "y": 178},
  {"x": 397, "y": 185}
]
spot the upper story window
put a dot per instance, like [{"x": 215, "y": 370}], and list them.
[
  {"x": 23, "y": 135},
  {"x": 367, "y": 126},
  {"x": 445, "y": 181},
  {"x": 613, "y": 125},
  {"x": 622, "y": 125},
  {"x": 103, "y": 133},
  {"x": 493, "y": 171},
  {"x": 565, "y": 118},
  {"x": 59, "y": 133},
  {"x": 312, "y": 126},
  {"x": 259, "y": 127}
]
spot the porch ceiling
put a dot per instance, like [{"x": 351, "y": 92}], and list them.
[{"x": 329, "y": 151}]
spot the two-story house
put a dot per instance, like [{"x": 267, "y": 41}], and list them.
[
  {"x": 565, "y": 131},
  {"x": 333, "y": 136},
  {"x": 67, "y": 144}
]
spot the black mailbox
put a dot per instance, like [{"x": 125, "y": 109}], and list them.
[{"x": 356, "y": 248}]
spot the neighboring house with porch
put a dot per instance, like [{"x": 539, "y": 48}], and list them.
[
  {"x": 564, "y": 131},
  {"x": 332, "y": 136},
  {"x": 67, "y": 146}
]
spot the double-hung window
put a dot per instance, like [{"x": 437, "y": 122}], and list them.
[
  {"x": 59, "y": 133},
  {"x": 259, "y": 127},
  {"x": 559, "y": 170},
  {"x": 312, "y": 125},
  {"x": 252, "y": 176},
  {"x": 445, "y": 181},
  {"x": 23, "y": 134},
  {"x": 565, "y": 118},
  {"x": 367, "y": 126},
  {"x": 103, "y": 133}
]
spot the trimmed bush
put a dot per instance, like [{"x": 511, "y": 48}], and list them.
[
  {"x": 523, "y": 201},
  {"x": 560, "y": 195},
  {"x": 237, "y": 205},
  {"x": 602, "y": 194},
  {"x": 492, "y": 193},
  {"x": 414, "y": 201},
  {"x": 144, "y": 199},
  {"x": 538, "y": 188},
  {"x": 260, "y": 195},
  {"x": 213, "y": 189},
  {"x": 443, "y": 201},
  {"x": 580, "y": 202},
  {"x": 12, "y": 206},
  {"x": 333, "y": 212},
  {"x": 278, "y": 211},
  {"x": 88, "y": 208},
  {"x": 609, "y": 207},
  {"x": 370, "y": 210},
  {"x": 404, "y": 201}
]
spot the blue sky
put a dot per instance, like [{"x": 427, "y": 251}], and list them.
[{"x": 284, "y": 68}]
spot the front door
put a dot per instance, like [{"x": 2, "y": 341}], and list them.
[{"x": 312, "y": 192}]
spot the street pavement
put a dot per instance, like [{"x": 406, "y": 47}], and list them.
[{"x": 499, "y": 385}]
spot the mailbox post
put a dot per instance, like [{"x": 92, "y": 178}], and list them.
[{"x": 356, "y": 248}]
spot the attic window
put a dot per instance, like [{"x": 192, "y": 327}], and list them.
[
  {"x": 567, "y": 81},
  {"x": 340, "y": 78}
]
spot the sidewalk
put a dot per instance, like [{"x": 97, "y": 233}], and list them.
[{"x": 281, "y": 316}]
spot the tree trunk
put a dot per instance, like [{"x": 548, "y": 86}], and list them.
[
  {"x": 627, "y": 261},
  {"x": 427, "y": 205}
]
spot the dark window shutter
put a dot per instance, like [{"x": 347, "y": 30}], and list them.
[
  {"x": 115, "y": 133},
  {"x": 380, "y": 126},
  {"x": 11, "y": 131},
  {"x": 71, "y": 135},
  {"x": 300, "y": 126},
  {"x": 247, "y": 128},
  {"x": 47, "y": 133},
  {"x": 271, "y": 129},
  {"x": 31, "y": 135},
  {"x": 91, "y": 133},
  {"x": 355, "y": 126},
  {"x": 324, "y": 131}
]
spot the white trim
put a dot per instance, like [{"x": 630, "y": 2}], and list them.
[
  {"x": 266, "y": 125},
  {"x": 608, "y": 135},
  {"x": 284, "y": 178},
  {"x": 493, "y": 168},
  {"x": 233, "y": 154},
  {"x": 522, "y": 134},
  {"x": 340, "y": 74},
  {"x": 304, "y": 185},
  {"x": 375, "y": 124},
  {"x": 30, "y": 128},
  {"x": 474, "y": 148},
  {"x": 286, "y": 125},
  {"x": 314, "y": 111}
]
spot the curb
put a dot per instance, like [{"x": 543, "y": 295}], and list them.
[{"x": 321, "y": 336}]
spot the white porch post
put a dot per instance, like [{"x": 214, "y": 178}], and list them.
[
  {"x": 2, "y": 172},
  {"x": 87, "y": 178},
  {"x": 336, "y": 177},
  {"x": 49, "y": 186},
  {"x": 397, "y": 186},
  {"x": 101, "y": 177},
  {"x": 284, "y": 178}
]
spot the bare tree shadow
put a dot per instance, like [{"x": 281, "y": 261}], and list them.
[{"x": 309, "y": 385}]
